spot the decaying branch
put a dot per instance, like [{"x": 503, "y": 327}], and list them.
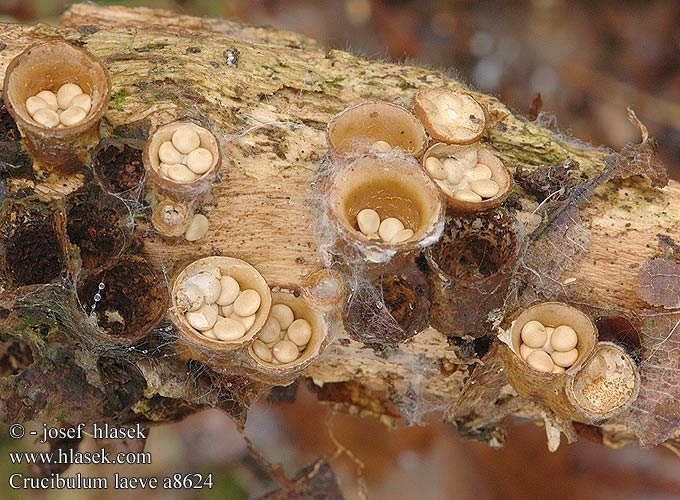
[{"x": 592, "y": 223}]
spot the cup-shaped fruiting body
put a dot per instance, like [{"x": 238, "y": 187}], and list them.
[
  {"x": 171, "y": 218},
  {"x": 100, "y": 225},
  {"x": 34, "y": 243},
  {"x": 471, "y": 268},
  {"x": 182, "y": 159},
  {"x": 538, "y": 377},
  {"x": 290, "y": 341},
  {"x": 226, "y": 286},
  {"x": 117, "y": 166},
  {"x": 400, "y": 197},
  {"x": 375, "y": 126},
  {"x": 325, "y": 290},
  {"x": 450, "y": 116},
  {"x": 126, "y": 300},
  {"x": 388, "y": 307},
  {"x": 471, "y": 177},
  {"x": 607, "y": 383},
  {"x": 50, "y": 67}
]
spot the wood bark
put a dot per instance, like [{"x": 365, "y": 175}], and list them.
[{"x": 271, "y": 109}]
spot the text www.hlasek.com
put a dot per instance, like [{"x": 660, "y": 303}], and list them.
[{"x": 71, "y": 456}]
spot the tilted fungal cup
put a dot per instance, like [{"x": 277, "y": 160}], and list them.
[
  {"x": 394, "y": 187},
  {"x": 356, "y": 128},
  {"x": 607, "y": 383},
  {"x": 471, "y": 268},
  {"x": 548, "y": 388},
  {"x": 171, "y": 218},
  {"x": 449, "y": 115},
  {"x": 286, "y": 373},
  {"x": 173, "y": 189},
  {"x": 202, "y": 348},
  {"x": 499, "y": 173},
  {"x": 47, "y": 66}
]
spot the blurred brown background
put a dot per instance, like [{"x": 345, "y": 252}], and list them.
[{"x": 589, "y": 60}]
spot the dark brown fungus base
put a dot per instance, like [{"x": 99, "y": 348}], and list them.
[
  {"x": 471, "y": 268},
  {"x": 133, "y": 299},
  {"x": 117, "y": 165},
  {"x": 14, "y": 161},
  {"x": 34, "y": 238},
  {"x": 98, "y": 224},
  {"x": 9, "y": 132},
  {"x": 389, "y": 308},
  {"x": 15, "y": 355}
]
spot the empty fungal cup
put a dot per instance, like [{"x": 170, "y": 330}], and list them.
[
  {"x": 375, "y": 126},
  {"x": 47, "y": 67},
  {"x": 525, "y": 364},
  {"x": 126, "y": 299},
  {"x": 471, "y": 268},
  {"x": 34, "y": 242},
  {"x": 182, "y": 159},
  {"x": 226, "y": 286},
  {"x": 607, "y": 383},
  {"x": 471, "y": 178},
  {"x": 388, "y": 308},
  {"x": 99, "y": 224},
  {"x": 288, "y": 343},
  {"x": 117, "y": 166},
  {"x": 394, "y": 191}
]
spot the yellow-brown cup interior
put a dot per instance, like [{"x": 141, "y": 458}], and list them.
[
  {"x": 607, "y": 382},
  {"x": 247, "y": 277},
  {"x": 554, "y": 314},
  {"x": 499, "y": 174},
  {"x": 393, "y": 188},
  {"x": 47, "y": 66},
  {"x": 355, "y": 129},
  {"x": 152, "y": 162},
  {"x": 302, "y": 310}
]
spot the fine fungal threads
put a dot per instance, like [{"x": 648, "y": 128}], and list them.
[
  {"x": 68, "y": 107},
  {"x": 182, "y": 159},
  {"x": 283, "y": 338},
  {"x": 216, "y": 307}
]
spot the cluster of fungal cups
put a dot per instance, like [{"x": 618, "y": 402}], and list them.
[
  {"x": 67, "y": 107},
  {"x": 216, "y": 307},
  {"x": 182, "y": 159},
  {"x": 283, "y": 338},
  {"x": 549, "y": 349}
]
